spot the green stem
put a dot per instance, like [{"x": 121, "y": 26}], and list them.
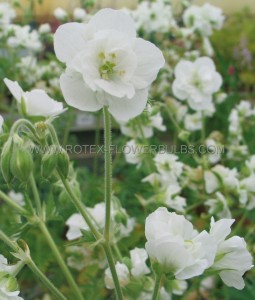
[
  {"x": 111, "y": 263},
  {"x": 60, "y": 260},
  {"x": 157, "y": 287},
  {"x": 108, "y": 173},
  {"x": 80, "y": 207},
  {"x": 19, "y": 266},
  {"x": 108, "y": 196},
  {"x": 13, "y": 204},
  {"x": 23, "y": 122},
  {"x": 97, "y": 141},
  {"x": 36, "y": 195},
  {"x": 30, "y": 263}
]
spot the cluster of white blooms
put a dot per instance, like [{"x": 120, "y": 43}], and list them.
[
  {"x": 8, "y": 284},
  {"x": 219, "y": 206},
  {"x": 40, "y": 75},
  {"x": 79, "y": 15},
  {"x": 133, "y": 152},
  {"x": 153, "y": 16},
  {"x": 76, "y": 222},
  {"x": 36, "y": 102},
  {"x": 138, "y": 268},
  {"x": 167, "y": 181},
  {"x": 196, "y": 82},
  {"x": 107, "y": 65},
  {"x": 180, "y": 250},
  {"x": 203, "y": 19},
  {"x": 7, "y": 14},
  {"x": 60, "y": 14},
  {"x": 23, "y": 36},
  {"x": 143, "y": 127},
  {"x": 242, "y": 112}
]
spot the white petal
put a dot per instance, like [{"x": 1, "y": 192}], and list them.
[
  {"x": 77, "y": 94},
  {"x": 14, "y": 88},
  {"x": 38, "y": 103},
  {"x": 205, "y": 62},
  {"x": 232, "y": 279},
  {"x": 69, "y": 39},
  {"x": 221, "y": 229},
  {"x": 178, "y": 90},
  {"x": 116, "y": 88},
  {"x": 124, "y": 109},
  {"x": 113, "y": 19},
  {"x": 150, "y": 61}
]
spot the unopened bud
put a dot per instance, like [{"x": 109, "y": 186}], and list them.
[
  {"x": 184, "y": 136},
  {"x": 21, "y": 164},
  {"x": 49, "y": 162},
  {"x": 6, "y": 160},
  {"x": 63, "y": 162}
]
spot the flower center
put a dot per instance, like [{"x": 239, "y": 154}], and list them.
[{"x": 107, "y": 65}]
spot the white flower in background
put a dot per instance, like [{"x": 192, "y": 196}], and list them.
[
  {"x": 221, "y": 176},
  {"x": 138, "y": 261},
  {"x": 7, "y": 13},
  {"x": 44, "y": 28},
  {"x": 17, "y": 197},
  {"x": 207, "y": 46},
  {"x": 25, "y": 37},
  {"x": 107, "y": 65},
  {"x": 133, "y": 152},
  {"x": 79, "y": 14},
  {"x": 219, "y": 206},
  {"x": 173, "y": 200},
  {"x": 168, "y": 166},
  {"x": 154, "y": 16},
  {"x": 220, "y": 97},
  {"x": 60, "y": 14},
  {"x": 232, "y": 258},
  {"x": 143, "y": 128},
  {"x": 204, "y": 19},
  {"x": 36, "y": 102},
  {"x": 179, "y": 287},
  {"x": 193, "y": 122},
  {"x": 76, "y": 222},
  {"x": 176, "y": 246},
  {"x": 123, "y": 275},
  {"x": 1, "y": 124},
  {"x": 196, "y": 82},
  {"x": 245, "y": 109},
  {"x": 214, "y": 151}
]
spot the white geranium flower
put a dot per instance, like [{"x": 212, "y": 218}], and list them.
[
  {"x": 17, "y": 197},
  {"x": 219, "y": 206},
  {"x": 214, "y": 151},
  {"x": 7, "y": 13},
  {"x": 37, "y": 102},
  {"x": 60, "y": 14},
  {"x": 138, "y": 260},
  {"x": 133, "y": 152},
  {"x": 168, "y": 165},
  {"x": 196, "y": 82},
  {"x": 193, "y": 122},
  {"x": 76, "y": 222},
  {"x": 154, "y": 16},
  {"x": 25, "y": 37},
  {"x": 79, "y": 14},
  {"x": 204, "y": 18},
  {"x": 123, "y": 275},
  {"x": 173, "y": 200},
  {"x": 176, "y": 246},
  {"x": 107, "y": 65},
  {"x": 1, "y": 124},
  {"x": 232, "y": 257},
  {"x": 44, "y": 28}
]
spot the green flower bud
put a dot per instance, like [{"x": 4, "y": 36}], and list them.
[
  {"x": 6, "y": 160},
  {"x": 21, "y": 164},
  {"x": 49, "y": 162},
  {"x": 63, "y": 162},
  {"x": 184, "y": 136}
]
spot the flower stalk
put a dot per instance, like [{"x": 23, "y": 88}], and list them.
[
  {"x": 32, "y": 266},
  {"x": 157, "y": 286}
]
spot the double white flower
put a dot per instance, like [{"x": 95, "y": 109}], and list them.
[
  {"x": 176, "y": 246},
  {"x": 196, "y": 82},
  {"x": 107, "y": 65}
]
